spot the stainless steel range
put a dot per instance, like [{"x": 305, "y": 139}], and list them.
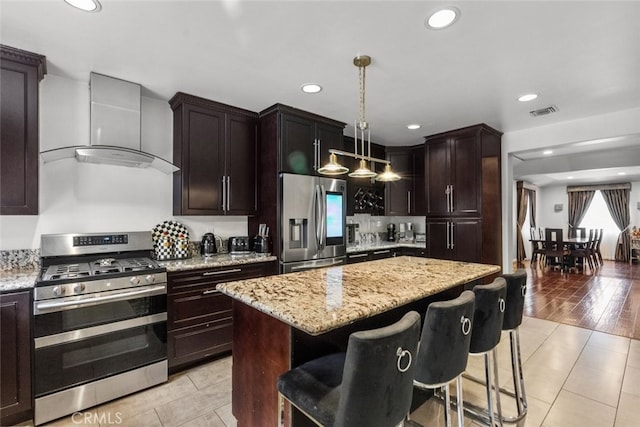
[{"x": 100, "y": 321}]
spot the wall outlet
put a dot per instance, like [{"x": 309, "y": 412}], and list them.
[{"x": 557, "y": 207}]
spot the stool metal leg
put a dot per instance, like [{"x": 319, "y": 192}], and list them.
[
  {"x": 459, "y": 400},
  {"x": 280, "y": 410},
  {"x": 447, "y": 405},
  {"x": 519, "y": 393},
  {"x": 490, "y": 372},
  {"x": 518, "y": 377}
]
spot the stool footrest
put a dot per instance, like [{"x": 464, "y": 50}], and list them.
[{"x": 505, "y": 419}]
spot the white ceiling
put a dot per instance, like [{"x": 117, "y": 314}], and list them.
[{"x": 581, "y": 56}]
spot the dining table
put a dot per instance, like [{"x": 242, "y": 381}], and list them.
[{"x": 570, "y": 243}]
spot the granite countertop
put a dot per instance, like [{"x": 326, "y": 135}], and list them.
[
  {"x": 320, "y": 300},
  {"x": 385, "y": 245},
  {"x": 18, "y": 279},
  {"x": 220, "y": 260}
]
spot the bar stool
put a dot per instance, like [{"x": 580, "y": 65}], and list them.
[
  {"x": 444, "y": 349},
  {"x": 516, "y": 291},
  {"x": 488, "y": 316},
  {"x": 369, "y": 385}
]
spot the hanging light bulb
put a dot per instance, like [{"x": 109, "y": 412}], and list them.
[
  {"x": 333, "y": 167},
  {"x": 363, "y": 171},
  {"x": 388, "y": 175}
]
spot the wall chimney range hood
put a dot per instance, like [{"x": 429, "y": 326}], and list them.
[{"x": 115, "y": 128}]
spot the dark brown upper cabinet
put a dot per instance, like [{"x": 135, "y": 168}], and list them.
[
  {"x": 303, "y": 138},
  {"x": 406, "y": 196},
  {"x": 215, "y": 145},
  {"x": 21, "y": 74}
]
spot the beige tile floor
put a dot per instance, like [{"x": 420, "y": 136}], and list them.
[{"x": 574, "y": 377}]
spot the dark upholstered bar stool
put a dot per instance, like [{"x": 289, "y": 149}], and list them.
[
  {"x": 488, "y": 316},
  {"x": 444, "y": 349},
  {"x": 516, "y": 291},
  {"x": 369, "y": 385}
]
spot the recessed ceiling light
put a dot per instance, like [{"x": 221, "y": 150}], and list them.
[
  {"x": 547, "y": 152},
  {"x": 622, "y": 173},
  {"x": 86, "y": 5},
  {"x": 442, "y": 18},
  {"x": 528, "y": 97},
  {"x": 413, "y": 126},
  {"x": 311, "y": 88},
  {"x": 569, "y": 177}
]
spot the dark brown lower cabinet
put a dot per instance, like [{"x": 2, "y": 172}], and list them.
[
  {"x": 15, "y": 358},
  {"x": 199, "y": 322},
  {"x": 382, "y": 253},
  {"x": 458, "y": 239}
]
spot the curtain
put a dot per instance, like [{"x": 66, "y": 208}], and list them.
[
  {"x": 579, "y": 202},
  {"x": 618, "y": 204},
  {"x": 532, "y": 211},
  {"x": 522, "y": 214}
]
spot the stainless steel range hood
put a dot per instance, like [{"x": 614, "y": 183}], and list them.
[{"x": 115, "y": 129}]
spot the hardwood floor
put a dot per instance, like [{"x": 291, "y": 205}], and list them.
[{"x": 606, "y": 299}]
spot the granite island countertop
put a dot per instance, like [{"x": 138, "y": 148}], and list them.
[
  {"x": 320, "y": 300},
  {"x": 384, "y": 245},
  {"x": 219, "y": 260}
]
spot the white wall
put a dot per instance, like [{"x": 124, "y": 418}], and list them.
[
  {"x": 620, "y": 123},
  {"x": 83, "y": 197}
]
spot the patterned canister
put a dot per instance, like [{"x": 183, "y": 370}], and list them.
[
  {"x": 164, "y": 248},
  {"x": 181, "y": 247}
]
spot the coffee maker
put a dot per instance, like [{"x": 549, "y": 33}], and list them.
[{"x": 391, "y": 233}]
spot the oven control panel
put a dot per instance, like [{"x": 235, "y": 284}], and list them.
[{"x": 100, "y": 240}]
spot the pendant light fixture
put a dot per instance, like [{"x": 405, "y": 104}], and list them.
[{"x": 362, "y": 134}]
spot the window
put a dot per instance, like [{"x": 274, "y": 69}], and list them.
[{"x": 598, "y": 216}]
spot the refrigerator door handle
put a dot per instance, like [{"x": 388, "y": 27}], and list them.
[
  {"x": 323, "y": 217},
  {"x": 317, "y": 215}
]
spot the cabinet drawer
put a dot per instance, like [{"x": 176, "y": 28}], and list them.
[
  {"x": 187, "y": 280},
  {"x": 197, "y": 306},
  {"x": 198, "y": 342}
]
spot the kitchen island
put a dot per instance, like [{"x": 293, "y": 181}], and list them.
[{"x": 283, "y": 321}]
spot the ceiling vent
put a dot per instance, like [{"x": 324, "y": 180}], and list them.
[{"x": 544, "y": 111}]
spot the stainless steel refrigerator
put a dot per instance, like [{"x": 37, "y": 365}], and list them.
[{"x": 313, "y": 215}]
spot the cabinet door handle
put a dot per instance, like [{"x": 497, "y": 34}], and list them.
[
  {"x": 215, "y": 273},
  {"x": 210, "y": 291},
  {"x": 319, "y": 145},
  {"x": 357, "y": 255},
  {"x": 381, "y": 252},
  {"x": 452, "y": 235},
  {"x": 408, "y": 201},
  {"x": 446, "y": 193},
  {"x": 228, "y": 193},
  {"x": 451, "y": 196},
  {"x": 224, "y": 191}
]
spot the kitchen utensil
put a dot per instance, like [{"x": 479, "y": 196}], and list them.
[
  {"x": 238, "y": 245},
  {"x": 208, "y": 245},
  {"x": 391, "y": 233}
]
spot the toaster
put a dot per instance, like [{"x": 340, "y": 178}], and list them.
[{"x": 238, "y": 245}]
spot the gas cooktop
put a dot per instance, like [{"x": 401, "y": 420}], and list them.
[{"x": 99, "y": 267}]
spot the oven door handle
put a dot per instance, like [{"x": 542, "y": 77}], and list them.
[{"x": 44, "y": 307}]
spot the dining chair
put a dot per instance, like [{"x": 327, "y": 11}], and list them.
[
  {"x": 585, "y": 252},
  {"x": 537, "y": 246},
  {"x": 596, "y": 249},
  {"x": 554, "y": 248},
  {"x": 580, "y": 232}
]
